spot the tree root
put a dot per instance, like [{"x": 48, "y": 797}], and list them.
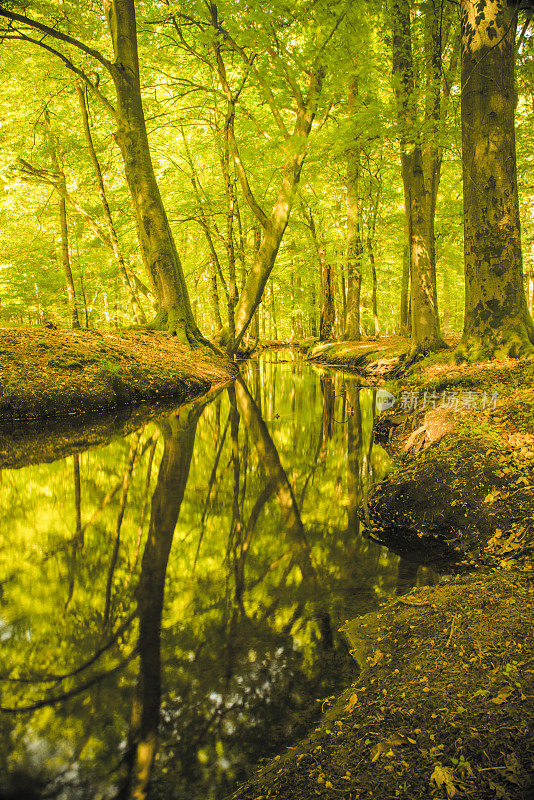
[
  {"x": 188, "y": 334},
  {"x": 415, "y": 355},
  {"x": 516, "y": 341}
]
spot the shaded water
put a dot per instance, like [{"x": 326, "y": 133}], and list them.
[{"x": 191, "y": 576}]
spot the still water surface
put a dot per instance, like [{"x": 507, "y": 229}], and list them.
[{"x": 190, "y": 579}]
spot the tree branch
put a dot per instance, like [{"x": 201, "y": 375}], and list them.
[{"x": 22, "y": 37}]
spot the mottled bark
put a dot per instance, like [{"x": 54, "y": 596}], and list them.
[{"x": 496, "y": 313}]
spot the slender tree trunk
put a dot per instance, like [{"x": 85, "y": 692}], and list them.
[
  {"x": 496, "y": 312},
  {"x": 371, "y": 253},
  {"x": 354, "y": 239},
  {"x": 40, "y": 310},
  {"x": 65, "y": 259},
  {"x": 214, "y": 295},
  {"x": 313, "y": 304}
]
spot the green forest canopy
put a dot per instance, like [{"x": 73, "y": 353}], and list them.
[{"x": 224, "y": 91}]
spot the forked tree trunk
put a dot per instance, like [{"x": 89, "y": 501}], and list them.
[
  {"x": 496, "y": 313},
  {"x": 274, "y": 226}
]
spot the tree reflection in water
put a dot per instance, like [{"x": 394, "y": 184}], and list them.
[{"x": 206, "y": 645}]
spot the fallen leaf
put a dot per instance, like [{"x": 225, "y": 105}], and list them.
[
  {"x": 376, "y": 658},
  {"x": 352, "y": 702},
  {"x": 502, "y": 696},
  {"x": 443, "y": 777}
]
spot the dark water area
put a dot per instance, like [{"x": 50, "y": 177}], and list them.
[{"x": 188, "y": 582}]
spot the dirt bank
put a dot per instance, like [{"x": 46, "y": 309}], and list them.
[
  {"x": 443, "y": 708},
  {"x": 50, "y": 374}
]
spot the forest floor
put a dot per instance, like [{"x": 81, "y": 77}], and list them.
[
  {"x": 444, "y": 704},
  {"x": 51, "y": 374}
]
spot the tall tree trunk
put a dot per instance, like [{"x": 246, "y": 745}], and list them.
[
  {"x": 158, "y": 248},
  {"x": 418, "y": 191},
  {"x": 496, "y": 313},
  {"x": 274, "y": 226},
  {"x": 371, "y": 254},
  {"x": 354, "y": 239},
  {"x": 112, "y": 233},
  {"x": 405, "y": 319},
  {"x": 65, "y": 258},
  {"x": 214, "y": 295}
]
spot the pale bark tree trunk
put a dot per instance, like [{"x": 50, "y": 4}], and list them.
[
  {"x": 496, "y": 312},
  {"x": 354, "y": 239}
]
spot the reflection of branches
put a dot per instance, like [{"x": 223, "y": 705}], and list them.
[
  {"x": 271, "y": 608},
  {"x": 51, "y": 701},
  {"x": 96, "y": 655},
  {"x": 211, "y": 483}
]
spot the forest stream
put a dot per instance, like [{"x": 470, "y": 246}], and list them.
[{"x": 197, "y": 570}]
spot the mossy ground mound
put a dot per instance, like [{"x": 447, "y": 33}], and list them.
[
  {"x": 470, "y": 497},
  {"x": 46, "y": 374}
]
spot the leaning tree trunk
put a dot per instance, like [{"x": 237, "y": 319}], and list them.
[
  {"x": 156, "y": 241},
  {"x": 274, "y": 226},
  {"x": 496, "y": 313},
  {"x": 112, "y": 233}
]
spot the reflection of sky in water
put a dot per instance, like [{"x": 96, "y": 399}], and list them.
[{"x": 250, "y": 620}]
